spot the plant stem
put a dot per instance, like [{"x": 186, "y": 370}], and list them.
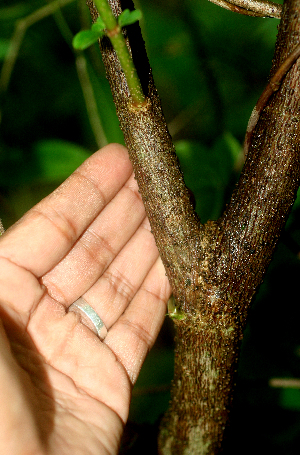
[
  {"x": 116, "y": 37},
  {"x": 258, "y": 8},
  {"x": 272, "y": 87},
  {"x": 15, "y": 43}
]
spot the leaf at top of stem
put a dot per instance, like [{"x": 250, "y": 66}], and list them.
[
  {"x": 86, "y": 38},
  {"x": 98, "y": 26},
  {"x": 128, "y": 17}
]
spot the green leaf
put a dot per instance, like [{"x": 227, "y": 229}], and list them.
[
  {"x": 98, "y": 26},
  {"x": 129, "y": 17},
  {"x": 85, "y": 38},
  {"x": 57, "y": 159}
]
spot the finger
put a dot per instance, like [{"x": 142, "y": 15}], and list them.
[
  {"x": 72, "y": 349},
  {"x": 48, "y": 231},
  {"x": 115, "y": 289},
  {"x": 98, "y": 246},
  {"x": 16, "y": 419},
  {"x": 135, "y": 332},
  {"x": 20, "y": 293}
]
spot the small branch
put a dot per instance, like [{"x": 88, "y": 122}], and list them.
[
  {"x": 257, "y": 8},
  {"x": 90, "y": 101},
  {"x": 2, "y": 230},
  {"x": 15, "y": 43},
  {"x": 84, "y": 80},
  {"x": 254, "y": 218},
  {"x": 251, "y": 8},
  {"x": 116, "y": 37},
  {"x": 184, "y": 117},
  {"x": 286, "y": 383},
  {"x": 271, "y": 88},
  {"x": 263, "y": 8},
  {"x": 234, "y": 8}
]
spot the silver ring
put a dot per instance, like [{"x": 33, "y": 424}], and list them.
[{"x": 89, "y": 317}]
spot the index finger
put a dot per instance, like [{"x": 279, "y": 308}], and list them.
[{"x": 45, "y": 234}]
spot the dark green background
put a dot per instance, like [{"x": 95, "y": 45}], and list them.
[{"x": 210, "y": 66}]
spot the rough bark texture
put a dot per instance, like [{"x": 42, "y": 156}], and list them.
[
  {"x": 155, "y": 163},
  {"x": 214, "y": 269}
]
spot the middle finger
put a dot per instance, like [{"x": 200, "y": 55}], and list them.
[{"x": 97, "y": 247}]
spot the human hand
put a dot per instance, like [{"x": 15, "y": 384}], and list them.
[{"x": 63, "y": 390}]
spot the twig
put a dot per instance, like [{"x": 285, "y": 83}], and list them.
[
  {"x": 85, "y": 82},
  {"x": 15, "y": 43},
  {"x": 271, "y": 88},
  {"x": 257, "y": 8},
  {"x": 184, "y": 117},
  {"x": 286, "y": 383},
  {"x": 90, "y": 101}
]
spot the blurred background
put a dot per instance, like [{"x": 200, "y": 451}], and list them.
[{"x": 210, "y": 66}]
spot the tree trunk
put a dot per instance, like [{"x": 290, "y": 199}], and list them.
[{"x": 214, "y": 269}]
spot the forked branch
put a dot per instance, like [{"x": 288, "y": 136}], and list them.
[{"x": 214, "y": 269}]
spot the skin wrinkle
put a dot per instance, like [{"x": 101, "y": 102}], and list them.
[
  {"x": 99, "y": 194},
  {"x": 157, "y": 297},
  {"x": 33, "y": 310},
  {"x": 92, "y": 249},
  {"x": 66, "y": 409},
  {"x": 113, "y": 362},
  {"x": 28, "y": 314},
  {"x": 138, "y": 329},
  {"x": 102, "y": 245},
  {"x": 133, "y": 187},
  {"x": 68, "y": 227},
  {"x": 142, "y": 335},
  {"x": 114, "y": 278},
  {"x": 55, "y": 293}
]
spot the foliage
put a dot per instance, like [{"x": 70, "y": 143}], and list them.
[
  {"x": 82, "y": 40},
  {"x": 210, "y": 67}
]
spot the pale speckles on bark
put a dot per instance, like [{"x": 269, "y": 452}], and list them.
[
  {"x": 196, "y": 442},
  {"x": 258, "y": 8},
  {"x": 203, "y": 368}
]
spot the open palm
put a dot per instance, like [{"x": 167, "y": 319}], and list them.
[{"x": 63, "y": 390}]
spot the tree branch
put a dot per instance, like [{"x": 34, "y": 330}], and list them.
[
  {"x": 271, "y": 88},
  {"x": 20, "y": 29},
  {"x": 257, "y": 8},
  {"x": 268, "y": 184},
  {"x": 167, "y": 201}
]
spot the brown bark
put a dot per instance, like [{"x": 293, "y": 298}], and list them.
[
  {"x": 174, "y": 223},
  {"x": 214, "y": 269}
]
